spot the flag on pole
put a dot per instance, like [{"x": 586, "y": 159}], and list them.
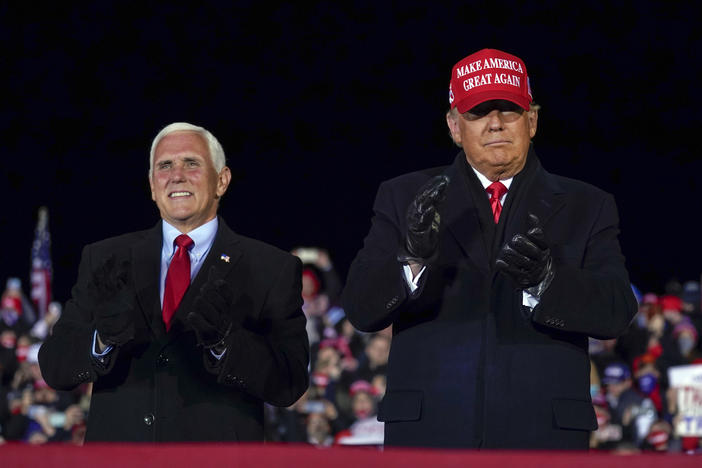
[{"x": 41, "y": 275}]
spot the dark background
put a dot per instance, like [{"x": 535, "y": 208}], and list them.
[{"x": 316, "y": 104}]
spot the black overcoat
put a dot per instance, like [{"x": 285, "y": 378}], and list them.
[
  {"x": 469, "y": 365},
  {"x": 161, "y": 386}
]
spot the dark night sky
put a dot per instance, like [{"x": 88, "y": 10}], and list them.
[{"x": 316, "y": 105}]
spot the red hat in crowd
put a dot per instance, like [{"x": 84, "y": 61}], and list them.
[
  {"x": 340, "y": 344},
  {"x": 646, "y": 358},
  {"x": 671, "y": 302},
  {"x": 312, "y": 276},
  {"x": 362, "y": 386},
  {"x": 489, "y": 74}
]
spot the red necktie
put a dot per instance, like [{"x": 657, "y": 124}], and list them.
[
  {"x": 496, "y": 190},
  {"x": 177, "y": 278}
]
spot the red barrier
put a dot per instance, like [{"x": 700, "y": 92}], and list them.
[{"x": 303, "y": 456}]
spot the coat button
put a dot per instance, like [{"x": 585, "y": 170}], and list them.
[
  {"x": 162, "y": 360},
  {"x": 149, "y": 419}
]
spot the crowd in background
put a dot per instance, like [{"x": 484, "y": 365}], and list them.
[{"x": 635, "y": 405}]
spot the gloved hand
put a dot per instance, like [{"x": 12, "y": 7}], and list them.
[
  {"x": 114, "y": 302},
  {"x": 211, "y": 316},
  {"x": 423, "y": 221},
  {"x": 527, "y": 259}
]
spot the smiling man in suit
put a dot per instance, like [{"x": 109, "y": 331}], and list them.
[
  {"x": 187, "y": 328},
  {"x": 492, "y": 273}
]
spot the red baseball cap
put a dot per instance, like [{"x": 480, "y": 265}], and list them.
[{"x": 489, "y": 74}]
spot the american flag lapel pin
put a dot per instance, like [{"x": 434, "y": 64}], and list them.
[{"x": 224, "y": 257}]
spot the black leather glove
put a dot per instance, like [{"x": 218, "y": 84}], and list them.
[
  {"x": 114, "y": 302},
  {"x": 423, "y": 221},
  {"x": 211, "y": 316},
  {"x": 527, "y": 259}
]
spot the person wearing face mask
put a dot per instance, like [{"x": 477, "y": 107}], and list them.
[
  {"x": 686, "y": 336},
  {"x": 648, "y": 379},
  {"x": 628, "y": 408}
]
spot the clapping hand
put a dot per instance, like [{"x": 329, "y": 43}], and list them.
[
  {"x": 211, "y": 315},
  {"x": 526, "y": 258},
  {"x": 423, "y": 221},
  {"x": 114, "y": 302}
]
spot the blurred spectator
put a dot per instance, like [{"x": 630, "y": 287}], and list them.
[
  {"x": 353, "y": 338},
  {"x": 35, "y": 413},
  {"x": 287, "y": 424},
  {"x": 379, "y": 384},
  {"x": 366, "y": 429},
  {"x": 327, "y": 370},
  {"x": 375, "y": 359},
  {"x": 319, "y": 430},
  {"x": 628, "y": 408},
  {"x": 672, "y": 308},
  {"x": 602, "y": 353},
  {"x": 16, "y": 312},
  {"x": 320, "y": 290},
  {"x": 686, "y": 336},
  {"x": 8, "y": 356},
  {"x": 318, "y": 259},
  {"x": 690, "y": 297},
  {"x": 658, "y": 438},
  {"x": 691, "y": 303},
  {"x": 648, "y": 379},
  {"x": 43, "y": 326},
  {"x": 673, "y": 287},
  {"x": 608, "y": 434}
]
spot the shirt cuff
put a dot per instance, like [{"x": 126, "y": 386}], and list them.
[
  {"x": 529, "y": 301},
  {"x": 412, "y": 282},
  {"x": 218, "y": 356},
  {"x": 96, "y": 353}
]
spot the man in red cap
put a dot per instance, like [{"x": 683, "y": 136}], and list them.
[{"x": 492, "y": 273}]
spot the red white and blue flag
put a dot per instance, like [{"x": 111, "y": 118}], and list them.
[{"x": 41, "y": 274}]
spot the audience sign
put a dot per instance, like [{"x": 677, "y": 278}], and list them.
[{"x": 687, "y": 381}]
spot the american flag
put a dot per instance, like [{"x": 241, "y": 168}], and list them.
[{"x": 41, "y": 274}]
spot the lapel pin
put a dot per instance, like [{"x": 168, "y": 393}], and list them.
[{"x": 224, "y": 257}]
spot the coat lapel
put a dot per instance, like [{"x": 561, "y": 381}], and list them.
[
  {"x": 462, "y": 219},
  {"x": 542, "y": 196},
  {"x": 146, "y": 268}
]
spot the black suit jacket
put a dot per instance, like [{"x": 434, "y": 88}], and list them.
[
  {"x": 161, "y": 386},
  {"x": 470, "y": 366}
]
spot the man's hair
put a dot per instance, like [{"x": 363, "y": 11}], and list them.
[
  {"x": 453, "y": 114},
  {"x": 215, "y": 149}
]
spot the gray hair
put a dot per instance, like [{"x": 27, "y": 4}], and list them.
[
  {"x": 453, "y": 115},
  {"x": 215, "y": 149}
]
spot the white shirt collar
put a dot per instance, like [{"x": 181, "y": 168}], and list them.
[
  {"x": 485, "y": 181},
  {"x": 202, "y": 236}
]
